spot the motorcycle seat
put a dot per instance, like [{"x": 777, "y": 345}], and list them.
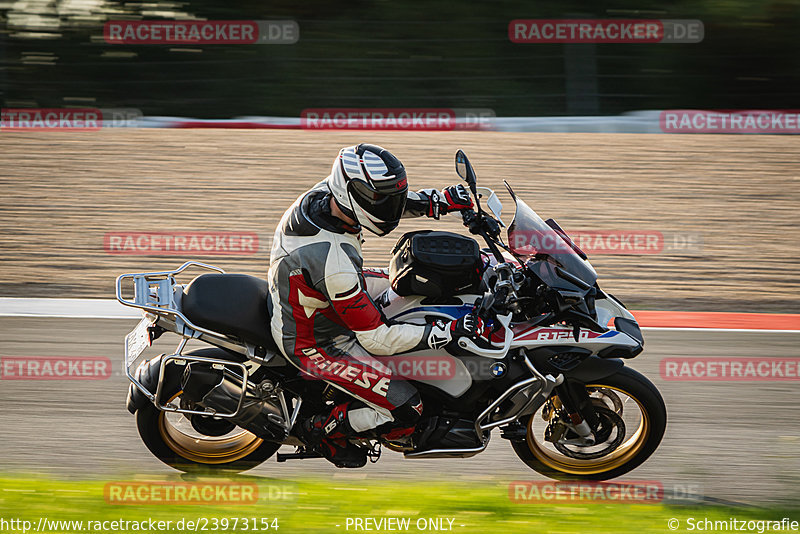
[{"x": 236, "y": 305}]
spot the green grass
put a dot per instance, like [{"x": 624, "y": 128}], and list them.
[{"x": 319, "y": 506}]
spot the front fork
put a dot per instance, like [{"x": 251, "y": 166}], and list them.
[{"x": 577, "y": 403}]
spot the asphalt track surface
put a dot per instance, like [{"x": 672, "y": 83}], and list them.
[{"x": 735, "y": 441}]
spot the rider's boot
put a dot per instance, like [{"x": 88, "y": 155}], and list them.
[{"x": 327, "y": 434}]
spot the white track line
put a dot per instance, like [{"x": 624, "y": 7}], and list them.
[
  {"x": 66, "y": 308},
  {"x": 111, "y": 309}
]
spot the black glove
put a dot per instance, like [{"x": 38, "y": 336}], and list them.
[
  {"x": 432, "y": 203},
  {"x": 456, "y": 198},
  {"x": 470, "y": 326},
  {"x": 443, "y": 334}
]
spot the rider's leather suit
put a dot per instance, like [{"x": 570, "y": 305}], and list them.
[{"x": 324, "y": 316}]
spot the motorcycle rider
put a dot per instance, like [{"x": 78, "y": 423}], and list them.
[{"x": 324, "y": 319}]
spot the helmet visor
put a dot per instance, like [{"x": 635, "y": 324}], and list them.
[{"x": 382, "y": 206}]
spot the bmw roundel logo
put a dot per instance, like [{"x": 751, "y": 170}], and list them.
[{"x": 498, "y": 369}]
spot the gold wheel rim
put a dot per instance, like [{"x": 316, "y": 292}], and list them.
[
  {"x": 206, "y": 451},
  {"x": 619, "y": 457}
]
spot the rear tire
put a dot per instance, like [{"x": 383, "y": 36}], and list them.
[
  {"x": 195, "y": 455},
  {"x": 650, "y": 403}
]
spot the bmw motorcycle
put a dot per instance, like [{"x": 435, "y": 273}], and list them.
[{"x": 549, "y": 374}]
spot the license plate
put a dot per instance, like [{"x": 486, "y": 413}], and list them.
[{"x": 137, "y": 340}]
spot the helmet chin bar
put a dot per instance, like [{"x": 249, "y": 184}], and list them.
[{"x": 362, "y": 218}]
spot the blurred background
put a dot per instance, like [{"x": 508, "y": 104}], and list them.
[
  {"x": 441, "y": 53},
  {"x": 63, "y": 192},
  {"x": 379, "y": 54}
]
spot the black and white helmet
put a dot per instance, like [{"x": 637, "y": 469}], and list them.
[{"x": 369, "y": 185}]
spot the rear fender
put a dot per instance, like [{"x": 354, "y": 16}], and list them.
[{"x": 147, "y": 375}]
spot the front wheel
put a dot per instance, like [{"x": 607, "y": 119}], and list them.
[{"x": 633, "y": 420}]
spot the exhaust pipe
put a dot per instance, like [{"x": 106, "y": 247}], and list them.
[{"x": 215, "y": 387}]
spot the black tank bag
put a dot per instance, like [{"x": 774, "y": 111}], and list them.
[{"x": 435, "y": 264}]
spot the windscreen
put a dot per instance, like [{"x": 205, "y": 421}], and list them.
[{"x": 529, "y": 236}]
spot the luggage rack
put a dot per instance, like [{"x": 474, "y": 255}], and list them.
[
  {"x": 158, "y": 295},
  {"x": 157, "y": 292}
]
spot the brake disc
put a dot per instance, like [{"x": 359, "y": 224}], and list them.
[
  {"x": 608, "y": 396},
  {"x": 609, "y": 421}
]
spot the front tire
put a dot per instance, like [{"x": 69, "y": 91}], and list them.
[
  {"x": 171, "y": 439},
  {"x": 637, "y": 448}
]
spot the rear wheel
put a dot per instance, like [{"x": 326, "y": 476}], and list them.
[
  {"x": 198, "y": 443},
  {"x": 632, "y": 417}
]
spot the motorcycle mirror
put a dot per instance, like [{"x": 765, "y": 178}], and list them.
[
  {"x": 461, "y": 164},
  {"x": 465, "y": 171}
]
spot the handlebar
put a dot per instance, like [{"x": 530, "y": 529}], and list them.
[{"x": 485, "y": 226}]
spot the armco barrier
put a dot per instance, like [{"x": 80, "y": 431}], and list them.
[
  {"x": 650, "y": 121},
  {"x": 635, "y": 122}
]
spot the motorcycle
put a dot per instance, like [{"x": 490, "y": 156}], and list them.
[{"x": 549, "y": 373}]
